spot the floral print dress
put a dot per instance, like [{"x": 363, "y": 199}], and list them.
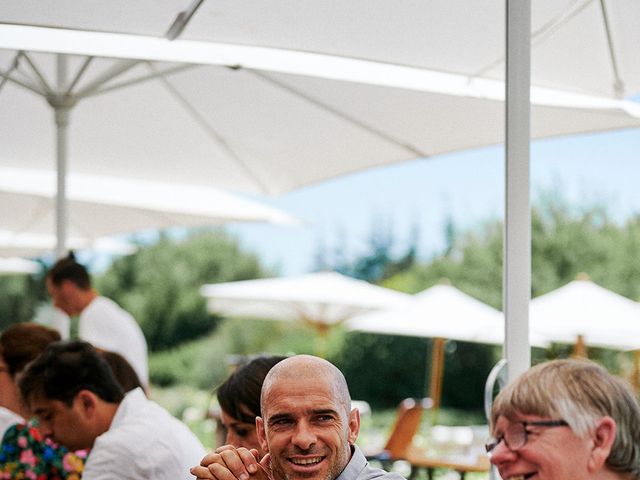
[{"x": 24, "y": 454}]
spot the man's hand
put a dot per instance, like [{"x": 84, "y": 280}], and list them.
[{"x": 230, "y": 463}]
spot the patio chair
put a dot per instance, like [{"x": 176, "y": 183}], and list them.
[{"x": 404, "y": 428}]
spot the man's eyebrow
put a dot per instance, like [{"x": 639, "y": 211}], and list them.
[
  {"x": 325, "y": 411},
  {"x": 279, "y": 416}
]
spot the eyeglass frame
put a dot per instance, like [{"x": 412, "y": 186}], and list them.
[{"x": 494, "y": 442}]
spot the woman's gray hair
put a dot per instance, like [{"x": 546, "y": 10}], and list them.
[{"x": 581, "y": 393}]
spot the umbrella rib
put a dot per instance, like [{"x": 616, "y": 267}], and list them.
[
  {"x": 181, "y": 20},
  {"x": 209, "y": 129},
  {"x": 117, "y": 69},
  {"x": 354, "y": 121},
  {"x": 6, "y": 76},
  {"x": 541, "y": 33},
  {"x": 79, "y": 74},
  {"x": 618, "y": 84},
  {"x": 46, "y": 89},
  {"x": 144, "y": 78}
]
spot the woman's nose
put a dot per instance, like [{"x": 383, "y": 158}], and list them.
[{"x": 501, "y": 454}]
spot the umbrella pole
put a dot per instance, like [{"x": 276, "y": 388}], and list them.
[
  {"x": 580, "y": 348},
  {"x": 62, "y": 121},
  {"x": 437, "y": 371}
]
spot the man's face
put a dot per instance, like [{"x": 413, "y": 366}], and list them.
[
  {"x": 66, "y": 425},
  {"x": 306, "y": 431},
  {"x": 61, "y": 296}
]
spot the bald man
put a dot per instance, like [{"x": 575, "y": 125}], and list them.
[{"x": 307, "y": 427}]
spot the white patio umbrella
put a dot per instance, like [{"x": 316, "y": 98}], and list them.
[
  {"x": 17, "y": 265},
  {"x": 321, "y": 300},
  {"x": 104, "y": 205},
  {"x": 440, "y": 312},
  {"x": 573, "y": 42},
  {"x": 36, "y": 244},
  {"x": 583, "y": 312}
]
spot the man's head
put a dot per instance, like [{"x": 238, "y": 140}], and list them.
[
  {"x": 69, "y": 285},
  {"x": 580, "y": 421},
  {"x": 307, "y": 424},
  {"x": 72, "y": 390}
]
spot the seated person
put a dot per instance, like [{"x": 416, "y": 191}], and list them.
[
  {"x": 24, "y": 452},
  {"x": 239, "y": 399},
  {"x": 74, "y": 394},
  {"x": 307, "y": 427},
  {"x": 566, "y": 420}
]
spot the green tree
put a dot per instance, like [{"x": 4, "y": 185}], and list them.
[
  {"x": 19, "y": 297},
  {"x": 160, "y": 284}
]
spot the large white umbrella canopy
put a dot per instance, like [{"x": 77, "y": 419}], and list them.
[
  {"x": 584, "y": 309},
  {"x": 598, "y": 40},
  {"x": 440, "y": 311},
  {"x": 106, "y": 205},
  {"x": 585, "y": 47},
  {"x": 320, "y": 299}
]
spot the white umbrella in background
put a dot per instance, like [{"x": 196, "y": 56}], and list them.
[
  {"x": 321, "y": 300},
  {"x": 440, "y": 312},
  {"x": 36, "y": 244},
  {"x": 105, "y": 205},
  {"x": 582, "y": 312},
  {"x": 17, "y": 266}
]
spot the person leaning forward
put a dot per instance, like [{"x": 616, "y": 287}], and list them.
[
  {"x": 72, "y": 391},
  {"x": 307, "y": 427}
]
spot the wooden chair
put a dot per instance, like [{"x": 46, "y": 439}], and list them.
[{"x": 404, "y": 428}]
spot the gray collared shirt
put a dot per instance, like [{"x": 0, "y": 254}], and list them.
[{"x": 358, "y": 468}]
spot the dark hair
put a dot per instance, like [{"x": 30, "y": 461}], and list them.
[
  {"x": 68, "y": 269},
  {"x": 239, "y": 395},
  {"x": 23, "y": 342},
  {"x": 65, "y": 368},
  {"x": 125, "y": 375}
]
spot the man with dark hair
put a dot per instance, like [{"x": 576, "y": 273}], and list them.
[
  {"x": 102, "y": 322},
  {"x": 75, "y": 396}
]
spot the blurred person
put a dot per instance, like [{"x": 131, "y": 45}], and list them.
[
  {"x": 307, "y": 427},
  {"x": 566, "y": 420},
  {"x": 24, "y": 452},
  {"x": 75, "y": 395},
  {"x": 239, "y": 399},
  {"x": 102, "y": 322}
]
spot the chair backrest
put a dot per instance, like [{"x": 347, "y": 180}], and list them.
[{"x": 406, "y": 425}]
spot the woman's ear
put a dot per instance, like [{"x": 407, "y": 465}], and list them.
[{"x": 603, "y": 437}]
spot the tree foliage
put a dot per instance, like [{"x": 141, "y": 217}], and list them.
[
  {"x": 160, "y": 284},
  {"x": 19, "y": 298}
]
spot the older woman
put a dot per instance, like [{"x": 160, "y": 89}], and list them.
[{"x": 566, "y": 420}]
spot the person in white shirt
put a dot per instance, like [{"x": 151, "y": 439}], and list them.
[
  {"x": 72, "y": 391},
  {"x": 102, "y": 322}
]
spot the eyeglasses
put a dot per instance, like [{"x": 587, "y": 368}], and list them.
[{"x": 515, "y": 437}]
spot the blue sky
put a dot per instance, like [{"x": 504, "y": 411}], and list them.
[{"x": 468, "y": 186}]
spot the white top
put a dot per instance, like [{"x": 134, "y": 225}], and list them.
[
  {"x": 8, "y": 418},
  {"x": 143, "y": 441},
  {"x": 106, "y": 325}
]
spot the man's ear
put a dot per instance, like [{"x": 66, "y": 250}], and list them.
[
  {"x": 603, "y": 437},
  {"x": 87, "y": 402},
  {"x": 354, "y": 425},
  {"x": 262, "y": 434}
]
